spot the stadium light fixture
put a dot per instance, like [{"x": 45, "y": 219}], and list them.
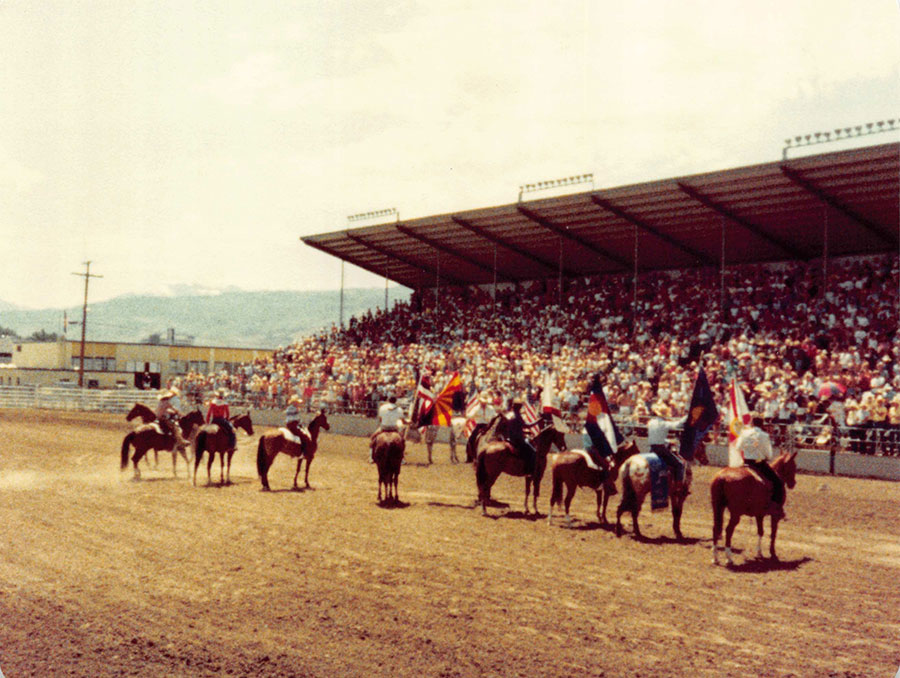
[
  {"x": 375, "y": 214},
  {"x": 839, "y": 134},
  {"x": 556, "y": 183}
]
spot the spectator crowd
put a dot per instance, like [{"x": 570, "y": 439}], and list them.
[{"x": 814, "y": 349}]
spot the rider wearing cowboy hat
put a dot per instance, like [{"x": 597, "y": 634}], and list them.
[
  {"x": 292, "y": 415},
  {"x": 517, "y": 436},
  {"x": 658, "y": 429},
  {"x": 755, "y": 447},
  {"x": 219, "y": 413},
  {"x": 390, "y": 418},
  {"x": 166, "y": 411}
]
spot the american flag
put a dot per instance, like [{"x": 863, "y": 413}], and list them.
[{"x": 529, "y": 414}]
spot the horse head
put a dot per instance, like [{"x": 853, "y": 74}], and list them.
[
  {"x": 547, "y": 437},
  {"x": 142, "y": 411},
  {"x": 319, "y": 421},
  {"x": 243, "y": 421},
  {"x": 190, "y": 420},
  {"x": 628, "y": 448},
  {"x": 700, "y": 454},
  {"x": 786, "y": 468}
]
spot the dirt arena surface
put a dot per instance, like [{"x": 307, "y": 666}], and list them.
[{"x": 101, "y": 576}]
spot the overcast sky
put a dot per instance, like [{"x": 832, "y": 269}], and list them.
[{"x": 178, "y": 142}]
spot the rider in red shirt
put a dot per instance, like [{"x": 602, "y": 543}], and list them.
[{"x": 218, "y": 413}]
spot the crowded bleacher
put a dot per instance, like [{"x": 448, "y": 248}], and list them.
[{"x": 815, "y": 348}]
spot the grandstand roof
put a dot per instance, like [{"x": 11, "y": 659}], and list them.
[{"x": 771, "y": 212}]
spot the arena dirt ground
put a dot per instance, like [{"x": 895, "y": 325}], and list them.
[{"x": 102, "y": 576}]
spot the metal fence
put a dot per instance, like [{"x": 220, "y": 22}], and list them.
[
  {"x": 79, "y": 399},
  {"x": 883, "y": 440}
]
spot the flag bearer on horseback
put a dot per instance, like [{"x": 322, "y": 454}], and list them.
[
  {"x": 755, "y": 447},
  {"x": 166, "y": 412},
  {"x": 658, "y": 429},
  {"x": 218, "y": 413},
  {"x": 517, "y": 434},
  {"x": 390, "y": 418}
]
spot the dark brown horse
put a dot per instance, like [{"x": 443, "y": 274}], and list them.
[
  {"x": 570, "y": 469},
  {"x": 744, "y": 493},
  {"x": 213, "y": 438},
  {"x": 150, "y": 437},
  {"x": 497, "y": 456},
  {"x": 635, "y": 478},
  {"x": 281, "y": 440},
  {"x": 387, "y": 453},
  {"x": 142, "y": 412}
]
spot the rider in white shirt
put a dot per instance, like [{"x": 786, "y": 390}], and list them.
[
  {"x": 755, "y": 446},
  {"x": 390, "y": 417}
]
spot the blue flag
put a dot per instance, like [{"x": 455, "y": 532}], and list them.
[{"x": 701, "y": 417}]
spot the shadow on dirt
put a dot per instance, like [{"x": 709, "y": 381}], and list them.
[
  {"x": 392, "y": 504},
  {"x": 769, "y": 565}
]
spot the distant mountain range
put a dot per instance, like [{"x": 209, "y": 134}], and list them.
[{"x": 229, "y": 318}]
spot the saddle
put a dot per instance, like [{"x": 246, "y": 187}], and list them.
[{"x": 295, "y": 439}]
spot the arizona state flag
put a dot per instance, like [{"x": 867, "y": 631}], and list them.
[
  {"x": 599, "y": 423},
  {"x": 441, "y": 410},
  {"x": 701, "y": 417}
]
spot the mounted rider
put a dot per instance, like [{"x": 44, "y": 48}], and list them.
[
  {"x": 658, "y": 429},
  {"x": 517, "y": 436},
  {"x": 390, "y": 418},
  {"x": 219, "y": 413},
  {"x": 755, "y": 448},
  {"x": 167, "y": 413},
  {"x": 292, "y": 415}
]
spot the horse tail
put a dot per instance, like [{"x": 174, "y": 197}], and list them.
[
  {"x": 719, "y": 501},
  {"x": 629, "y": 494},
  {"x": 481, "y": 475},
  {"x": 261, "y": 461},
  {"x": 199, "y": 446},
  {"x": 556, "y": 495},
  {"x": 126, "y": 443}
]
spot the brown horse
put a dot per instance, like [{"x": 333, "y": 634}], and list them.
[
  {"x": 571, "y": 469},
  {"x": 150, "y": 437},
  {"x": 497, "y": 456},
  {"x": 635, "y": 478},
  {"x": 387, "y": 453},
  {"x": 744, "y": 493},
  {"x": 213, "y": 438},
  {"x": 273, "y": 442},
  {"x": 142, "y": 412}
]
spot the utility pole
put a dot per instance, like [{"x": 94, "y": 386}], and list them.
[{"x": 87, "y": 275}]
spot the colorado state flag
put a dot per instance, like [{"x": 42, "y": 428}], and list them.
[{"x": 599, "y": 423}]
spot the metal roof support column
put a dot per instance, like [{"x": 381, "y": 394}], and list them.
[
  {"x": 437, "y": 284},
  {"x": 494, "y": 289},
  {"x": 722, "y": 318},
  {"x": 824, "y": 250},
  {"x": 385, "y": 296},
  {"x": 559, "y": 289},
  {"x": 341, "y": 305},
  {"x": 634, "y": 304}
]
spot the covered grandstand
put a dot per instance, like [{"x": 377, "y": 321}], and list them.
[{"x": 821, "y": 206}]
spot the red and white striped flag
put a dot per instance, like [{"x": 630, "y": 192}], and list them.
[
  {"x": 471, "y": 413},
  {"x": 529, "y": 414}
]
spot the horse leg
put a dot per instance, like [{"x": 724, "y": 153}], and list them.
[
  {"x": 759, "y": 536},
  {"x": 601, "y": 506},
  {"x": 677, "y": 507},
  {"x": 135, "y": 459},
  {"x": 306, "y": 473},
  {"x": 212, "y": 457},
  {"x": 527, "y": 492},
  {"x": 222, "y": 467},
  {"x": 174, "y": 459},
  {"x": 604, "y": 521},
  {"x": 772, "y": 554},
  {"x": 733, "y": 521},
  {"x": 567, "y": 502},
  {"x": 297, "y": 473},
  {"x": 228, "y": 468}
]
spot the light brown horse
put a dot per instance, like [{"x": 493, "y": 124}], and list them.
[
  {"x": 744, "y": 493},
  {"x": 387, "y": 453},
  {"x": 149, "y": 437},
  {"x": 498, "y": 456},
  {"x": 635, "y": 479},
  {"x": 213, "y": 438},
  {"x": 570, "y": 469},
  {"x": 271, "y": 443}
]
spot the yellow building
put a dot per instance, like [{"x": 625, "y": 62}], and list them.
[{"x": 109, "y": 364}]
